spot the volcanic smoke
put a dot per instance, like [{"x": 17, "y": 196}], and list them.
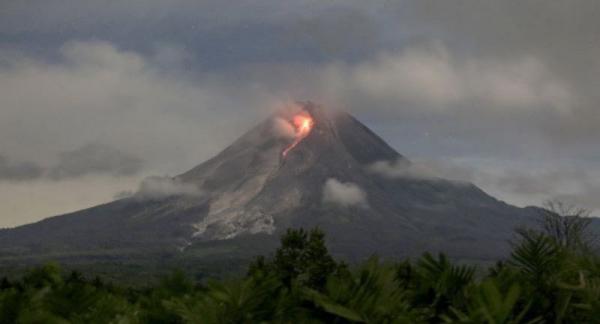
[{"x": 303, "y": 124}]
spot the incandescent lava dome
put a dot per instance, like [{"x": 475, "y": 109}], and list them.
[{"x": 303, "y": 123}]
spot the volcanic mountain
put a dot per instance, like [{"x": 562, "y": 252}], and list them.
[{"x": 303, "y": 168}]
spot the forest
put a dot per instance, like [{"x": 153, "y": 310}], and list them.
[{"x": 551, "y": 276}]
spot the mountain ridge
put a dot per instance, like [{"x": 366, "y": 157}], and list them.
[{"x": 251, "y": 192}]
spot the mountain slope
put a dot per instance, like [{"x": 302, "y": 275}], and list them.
[{"x": 250, "y": 193}]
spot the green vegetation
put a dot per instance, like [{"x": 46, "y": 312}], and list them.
[{"x": 552, "y": 276}]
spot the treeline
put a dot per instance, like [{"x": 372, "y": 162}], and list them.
[{"x": 551, "y": 276}]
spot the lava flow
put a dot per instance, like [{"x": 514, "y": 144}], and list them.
[{"x": 303, "y": 124}]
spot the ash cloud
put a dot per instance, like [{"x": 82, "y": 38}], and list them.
[{"x": 344, "y": 194}]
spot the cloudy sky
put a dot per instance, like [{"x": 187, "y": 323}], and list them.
[{"x": 97, "y": 95}]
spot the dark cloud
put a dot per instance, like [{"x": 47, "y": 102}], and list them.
[
  {"x": 223, "y": 35},
  {"x": 91, "y": 159},
  {"x": 99, "y": 93},
  {"x": 517, "y": 183},
  {"x": 173, "y": 83},
  {"x": 512, "y": 27},
  {"x": 571, "y": 185},
  {"x": 19, "y": 171},
  {"x": 95, "y": 159},
  {"x": 337, "y": 34},
  {"x": 123, "y": 194},
  {"x": 562, "y": 35}
]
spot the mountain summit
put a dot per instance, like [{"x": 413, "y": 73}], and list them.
[
  {"x": 279, "y": 169},
  {"x": 302, "y": 167}
]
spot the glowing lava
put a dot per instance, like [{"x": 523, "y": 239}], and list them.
[{"x": 303, "y": 124}]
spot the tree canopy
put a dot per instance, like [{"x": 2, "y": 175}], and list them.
[{"x": 550, "y": 277}]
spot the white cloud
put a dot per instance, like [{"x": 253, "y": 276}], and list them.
[{"x": 343, "y": 194}]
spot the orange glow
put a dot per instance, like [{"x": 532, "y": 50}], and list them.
[{"x": 303, "y": 124}]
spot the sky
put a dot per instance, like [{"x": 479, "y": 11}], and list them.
[{"x": 96, "y": 96}]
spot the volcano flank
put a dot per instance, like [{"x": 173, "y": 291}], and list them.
[{"x": 304, "y": 168}]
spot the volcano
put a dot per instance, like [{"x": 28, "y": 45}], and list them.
[{"x": 303, "y": 168}]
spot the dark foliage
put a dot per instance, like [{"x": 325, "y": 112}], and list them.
[{"x": 546, "y": 280}]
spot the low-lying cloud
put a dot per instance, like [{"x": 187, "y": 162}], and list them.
[
  {"x": 401, "y": 169},
  {"x": 95, "y": 158},
  {"x": 29, "y": 201},
  {"x": 421, "y": 169},
  {"x": 89, "y": 159},
  {"x": 19, "y": 171},
  {"x": 518, "y": 184},
  {"x": 524, "y": 185},
  {"x": 344, "y": 194},
  {"x": 157, "y": 187}
]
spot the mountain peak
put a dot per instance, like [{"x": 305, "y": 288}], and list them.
[
  {"x": 333, "y": 130},
  {"x": 283, "y": 161},
  {"x": 303, "y": 166}
]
